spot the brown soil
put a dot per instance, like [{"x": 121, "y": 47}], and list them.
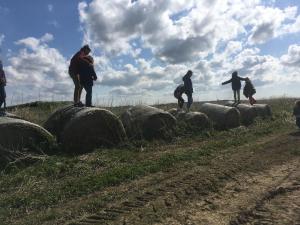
[{"x": 246, "y": 185}]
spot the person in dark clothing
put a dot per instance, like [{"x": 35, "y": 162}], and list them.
[
  {"x": 296, "y": 112},
  {"x": 236, "y": 85},
  {"x": 249, "y": 91},
  {"x": 2, "y": 86},
  {"x": 76, "y": 60},
  {"x": 178, "y": 94},
  {"x": 188, "y": 88},
  {"x": 87, "y": 75}
]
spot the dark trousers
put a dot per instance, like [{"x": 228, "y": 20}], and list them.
[
  {"x": 298, "y": 121},
  {"x": 236, "y": 95},
  {"x": 88, "y": 97},
  {"x": 190, "y": 99},
  {"x": 2, "y": 95}
]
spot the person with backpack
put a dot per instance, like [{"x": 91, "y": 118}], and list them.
[
  {"x": 75, "y": 62},
  {"x": 187, "y": 88},
  {"x": 236, "y": 86},
  {"x": 2, "y": 86},
  {"x": 87, "y": 76},
  {"x": 249, "y": 91}
]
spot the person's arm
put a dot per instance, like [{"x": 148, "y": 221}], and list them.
[
  {"x": 243, "y": 79},
  {"x": 227, "y": 82}
]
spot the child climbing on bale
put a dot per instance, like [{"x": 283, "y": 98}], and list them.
[
  {"x": 2, "y": 89},
  {"x": 249, "y": 91},
  {"x": 87, "y": 76},
  {"x": 187, "y": 88},
  {"x": 236, "y": 86},
  {"x": 297, "y": 112}
]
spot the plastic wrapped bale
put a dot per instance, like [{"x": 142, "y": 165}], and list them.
[
  {"x": 223, "y": 117},
  {"x": 60, "y": 118},
  {"x": 263, "y": 110},
  {"x": 20, "y": 135},
  {"x": 296, "y": 112},
  {"x": 148, "y": 122},
  {"x": 248, "y": 112},
  {"x": 195, "y": 120},
  {"x": 92, "y": 128}
]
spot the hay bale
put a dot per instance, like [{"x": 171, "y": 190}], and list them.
[
  {"x": 57, "y": 121},
  {"x": 248, "y": 112},
  {"x": 148, "y": 122},
  {"x": 17, "y": 134},
  {"x": 194, "y": 120},
  {"x": 91, "y": 128},
  {"x": 263, "y": 110},
  {"x": 223, "y": 117},
  {"x": 9, "y": 115}
]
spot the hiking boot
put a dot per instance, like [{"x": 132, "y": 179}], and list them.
[{"x": 79, "y": 104}]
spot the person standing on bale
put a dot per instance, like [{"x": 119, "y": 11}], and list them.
[
  {"x": 2, "y": 86},
  {"x": 75, "y": 62},
  {"x": 188, "y": 88},
  {"x": 236, "y": 86},
  {"x": 87, "y": 76},
  {"x": 249, "y": 91}
]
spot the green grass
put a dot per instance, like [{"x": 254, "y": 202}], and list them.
[{"x": 61, "y": 178}]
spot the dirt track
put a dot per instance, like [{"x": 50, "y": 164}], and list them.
[{"x": 258, "y": 185}]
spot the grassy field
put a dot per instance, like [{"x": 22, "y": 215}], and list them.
[{"x": 61, "y": 187}]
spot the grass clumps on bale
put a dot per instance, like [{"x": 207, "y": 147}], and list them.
[
  {"x": 263, "y": 110},
  {"x": 20, "y": 135},
  {"x": 223, "y": 117},
  {"x": 194, "y": 121},
  {"x": 92, "y": 128},
  {"x": 146, "y": 122}
]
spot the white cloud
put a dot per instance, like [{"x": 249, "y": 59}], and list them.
[
  {"x": 38, "y": 68},
  {"x": 2, "y": 37},
  {"x": 292, "y": 58},
  {"x": 50, "y": 7}
]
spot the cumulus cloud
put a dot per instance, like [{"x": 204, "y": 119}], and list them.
[
  {"x": 292, "y": 58},
  {"x": 38, "y": 68}
]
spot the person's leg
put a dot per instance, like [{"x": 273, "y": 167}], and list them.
[
  {"x": 190, "y": 101},
  {"x": 77, "y": 89},
  {"x": 2, "y": 95},
  {"x": 234, "y": 95},
  {"x": 238, "y": 96},
  {"x": 180, "y": 102},
  {"x": 88, "y": 97},
  {"x": 298, "y": 121}
]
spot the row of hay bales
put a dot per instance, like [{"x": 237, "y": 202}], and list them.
[{"x": 80, "y": 130}]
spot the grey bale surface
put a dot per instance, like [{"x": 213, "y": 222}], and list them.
[
  {"x": 92, "y": 128},
  {"x": 248, "y": 112},
  {"x": 17, "y": 134},
  {"x": 223, "y": 117},
  {"x": 195, "y": 120},
  {"x": 148, "y": 122},
  {"x": 263, "y": 110},
  {"x": 82, "y": 129}
]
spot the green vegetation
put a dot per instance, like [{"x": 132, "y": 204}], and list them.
[{"x": 28, "y": 194}]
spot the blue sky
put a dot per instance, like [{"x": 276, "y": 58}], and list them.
[{"x": 143, "y": 48}]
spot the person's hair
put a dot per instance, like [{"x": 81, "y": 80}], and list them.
[
  {"x": 86, "y": 48},
  {"x": 90, "y": 59},
  {"x": 189, "y": 72},
  {"x": 234, "y": 74}
]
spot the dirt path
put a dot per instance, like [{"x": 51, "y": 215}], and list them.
[{"x": 258, "y": 185}]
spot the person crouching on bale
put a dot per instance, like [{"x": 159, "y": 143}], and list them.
[
  {"x": 187, "y": 88},
  {"x": 249, "y": 91},
  {"x": 236, "y": 86},
  {"x": 87, "y": 76},
  {"x": 2, "y": 86}
]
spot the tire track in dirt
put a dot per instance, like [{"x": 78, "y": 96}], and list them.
[{"x": 202, "y": 189}]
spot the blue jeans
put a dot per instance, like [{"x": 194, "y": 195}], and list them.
[
  {"x": 2, "y": 95},
  {"x": 88, "y": 97}
]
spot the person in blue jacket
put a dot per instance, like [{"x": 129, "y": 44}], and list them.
[{"x": 236, "y": 86}]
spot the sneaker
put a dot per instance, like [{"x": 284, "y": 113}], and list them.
[{"x": 79, "y": 104}]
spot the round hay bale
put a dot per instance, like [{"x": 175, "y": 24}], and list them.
[
  {"x": 91, "y": 128},
  {"x": 57, "y": 121},
  {"x": 195, "y": 120},
  {"x": 9, "y": 115},
  {"x": 263, "y": 110},
  {"x": 248, "y": 112},
  {"x": 223, "y": 117},
  {"x": 17, "y": 134},
  {"x": 148, "y": 122}
]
